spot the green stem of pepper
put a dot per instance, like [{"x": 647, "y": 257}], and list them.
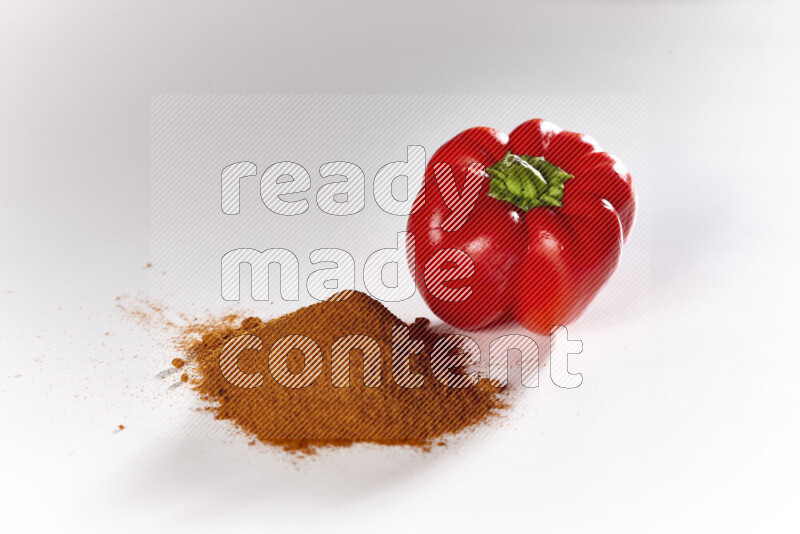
[{"x": 527, "y": 181}]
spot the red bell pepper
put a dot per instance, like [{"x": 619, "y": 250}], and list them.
[{"x": 529, "y": 225}]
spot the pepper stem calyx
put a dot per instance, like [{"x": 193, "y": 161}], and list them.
[{"x": 527, "y": 181}]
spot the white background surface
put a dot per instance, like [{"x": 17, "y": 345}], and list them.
[{"x": 687, "y": 420}]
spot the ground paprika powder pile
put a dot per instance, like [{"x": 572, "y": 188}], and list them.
[{"x": 321, "y": 414}]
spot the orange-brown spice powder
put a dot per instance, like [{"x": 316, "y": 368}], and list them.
[{"x": 322, "y": 415}]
